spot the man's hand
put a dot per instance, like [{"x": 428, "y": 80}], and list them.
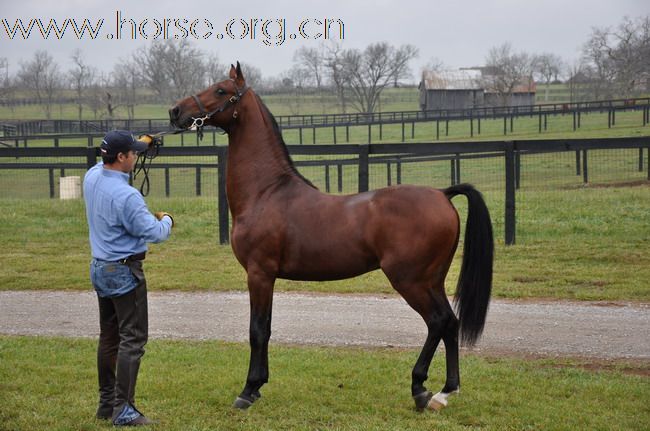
[
  {"x": 160, "y": 214},
  {"x": 150, "y": 140}
]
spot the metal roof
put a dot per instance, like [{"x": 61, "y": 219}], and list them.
[
  {"x": 468, "y": 79},
  {"x": 452, "y": 80}
]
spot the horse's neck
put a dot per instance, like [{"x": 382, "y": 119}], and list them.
[{"x": 256, "y": 160}]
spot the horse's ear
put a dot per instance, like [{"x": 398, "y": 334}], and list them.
[
  {"x": 239, "y": 79},
  {"x": 233, "y": 71}
]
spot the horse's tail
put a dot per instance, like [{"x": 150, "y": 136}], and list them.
[{"x": 475, "y": 281}]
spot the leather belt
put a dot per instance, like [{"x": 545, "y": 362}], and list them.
[{"x": 139, "y": 256}]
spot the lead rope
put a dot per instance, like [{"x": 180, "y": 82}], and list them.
[{"x": 143, "y": 164}]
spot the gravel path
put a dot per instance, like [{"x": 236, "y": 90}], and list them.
[{"x": 547, "y": 328}]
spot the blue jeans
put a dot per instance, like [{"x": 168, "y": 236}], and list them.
[{"x": 111, "y": 279}]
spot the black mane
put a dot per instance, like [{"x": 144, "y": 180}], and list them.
[{"x": 280, "y": 139}]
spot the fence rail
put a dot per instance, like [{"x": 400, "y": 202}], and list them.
[
  {"x": 19, "y": 129},
  {"x": 505, "y": 158}
]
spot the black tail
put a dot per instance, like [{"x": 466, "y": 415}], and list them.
[{"x": 475, "y": 281}]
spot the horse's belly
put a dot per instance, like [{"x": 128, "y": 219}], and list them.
[{"x": 321, "y": 265}]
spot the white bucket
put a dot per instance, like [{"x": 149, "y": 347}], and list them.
[{"x": 70, "y": 187}]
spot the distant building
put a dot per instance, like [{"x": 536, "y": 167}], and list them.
[
  {"x": 470, "y": 88},
  {"x": 451, "y": 89}
]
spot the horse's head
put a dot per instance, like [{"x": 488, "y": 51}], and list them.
[{"x": 216, "y": 105}]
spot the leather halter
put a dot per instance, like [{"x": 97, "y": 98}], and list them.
[{"x": 199, "y": 122}]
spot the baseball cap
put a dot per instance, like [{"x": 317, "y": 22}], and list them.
[{"x": 121, "y": 141}]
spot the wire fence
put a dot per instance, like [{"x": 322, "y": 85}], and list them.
[{"x": 517, "y": 178}]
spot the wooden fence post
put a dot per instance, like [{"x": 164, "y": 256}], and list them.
[
  {"x": 51, "y": 177},
  {"x": 167, "y": 187},
  {"x": 91, "y": 157},
  {"x": 364, "y": 151},
  {"x": 198, "y": 181},
  {"x": 641, "y": 159},
  {"x": 510, "y": 220}
]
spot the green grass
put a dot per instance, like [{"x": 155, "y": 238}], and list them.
[
  {"x": 586, "y": 243},
  {"x": 50, "y": 383}
]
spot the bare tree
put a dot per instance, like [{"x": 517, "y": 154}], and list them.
[
  {"x": 294, "y": 82},
  {"x": 126, "y": 81},
  {"x": 403, "y": 56},
  {"x": 6, "y": 87},
  {"x": 95, "y": 93},
  {"x": 548, "y": 66},
  {"x": 172, "y": 68},
  {"x": 579, "y": 81},
  {"x": 154, "y": 70},
  {"x": 41, "y": 75},
  {"x": 368, "y": 72},
  {"x": 215, "y": 70},
  {"x": 601, "y": 66},
  {"x": 313, "y": 61},
  {"x": 334, "y": 67},
  {"x": 81, "y": 76},
  {"x": 620, "y": 58},
  {"x": 505, "y": 70},
  {"x": 185, "y": 68}
]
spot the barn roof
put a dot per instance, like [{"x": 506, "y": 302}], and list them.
[
  {"x": 451, "y": 80},
  {"x": 469, "y": 79}
]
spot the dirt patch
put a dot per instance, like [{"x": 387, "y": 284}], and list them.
[{"x": 624, "y": 366}]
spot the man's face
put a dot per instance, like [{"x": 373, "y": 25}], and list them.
[{"x": 127, "y": 161}]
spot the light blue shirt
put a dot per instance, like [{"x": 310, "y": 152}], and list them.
[{"x": 119, "y": 221}]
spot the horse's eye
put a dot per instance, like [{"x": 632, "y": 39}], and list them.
[{"x": 221, "y": 91}]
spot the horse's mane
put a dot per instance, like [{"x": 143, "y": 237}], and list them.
[{"x": 280, "y": 141}]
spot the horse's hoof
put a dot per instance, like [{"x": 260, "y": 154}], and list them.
[
  {"x": 439, "y": 401},
  {"x": 242, "y": 403},
  {"x": 422, "y": 400}
]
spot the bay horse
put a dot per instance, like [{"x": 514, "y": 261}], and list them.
[{"x": 284, "y": 227}]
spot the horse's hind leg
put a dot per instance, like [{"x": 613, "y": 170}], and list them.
[
  {"x": 432, "y": 304},
  {"x": 260, "y": 290},
  {"x": 452, "y": 384}
]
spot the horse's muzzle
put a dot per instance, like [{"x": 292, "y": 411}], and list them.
[{"x": 174, "y": 115}]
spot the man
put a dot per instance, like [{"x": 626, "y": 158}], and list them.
[{"x": 120, "y": 227}]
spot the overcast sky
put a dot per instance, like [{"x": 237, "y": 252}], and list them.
[{"x": 458, "y": 33}]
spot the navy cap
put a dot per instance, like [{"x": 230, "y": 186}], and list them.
[{"x": 121, "y": 141}]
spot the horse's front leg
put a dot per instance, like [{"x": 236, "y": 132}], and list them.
[{"x": 260, "y": 290}]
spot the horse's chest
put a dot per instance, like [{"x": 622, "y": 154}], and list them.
[{"x": 256, "y": 234}]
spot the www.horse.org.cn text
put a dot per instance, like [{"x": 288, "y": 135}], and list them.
[{"x": 269, "y": 31}]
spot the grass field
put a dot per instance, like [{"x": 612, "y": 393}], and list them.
[{"x": 49, "y": 383}]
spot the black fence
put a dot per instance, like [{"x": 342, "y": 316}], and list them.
[
  {"x": 496, "y": 168},
  {"x": 18, "y": 130}
]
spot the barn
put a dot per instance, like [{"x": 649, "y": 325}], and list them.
[
  {"x": 451, "y": 89},
  {"x": 470, "y": 88}
]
